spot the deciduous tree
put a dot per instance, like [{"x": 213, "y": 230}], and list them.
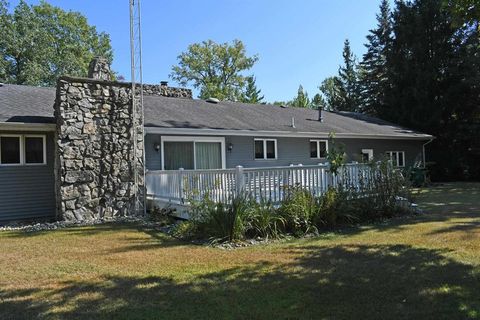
[
  {"x": 215, "y": 69},
  {"x": 41, "y": 42}
]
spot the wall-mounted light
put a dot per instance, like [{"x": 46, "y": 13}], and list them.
[
  {"x": 157, "y": 146},
  {"x": 230, "y": 147}
]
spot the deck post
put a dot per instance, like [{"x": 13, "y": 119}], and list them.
[
  {"x": 180, "y": 185},
  {"x": 240, "y": 180}
]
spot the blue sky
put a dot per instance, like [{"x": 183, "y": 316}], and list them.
[{"x": 298, "y": 42}]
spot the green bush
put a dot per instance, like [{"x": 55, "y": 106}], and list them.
[
  {"x": 162, "y": 216},
  {"x": 299, "y": 210},
  {"x": 265, "y": 221},
  {"x": 374, "y": 195},
  {"x": 222, "y": 222},
  {"x": 335, "y": 208}
]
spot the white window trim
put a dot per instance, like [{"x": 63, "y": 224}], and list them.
[
  {"x": 44, "y": 149},
  {"x": 265, "y": 149},
  {"x": 318, "y": 148},
  {"x": 368, "y": 152},
  {"x": 397, "y": 152},
  {"x": 193, "y": 139},
  {"x": 22, "y": 149},
  {"x": 20, "y": 141}
]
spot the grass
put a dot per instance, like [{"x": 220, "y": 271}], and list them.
[{"x": 426, "y": 267}]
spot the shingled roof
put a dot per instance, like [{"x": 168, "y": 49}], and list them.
[{"x": 35, "y": 105}]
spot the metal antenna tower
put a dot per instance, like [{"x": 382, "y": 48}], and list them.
[{"x": 137, "y": 102}]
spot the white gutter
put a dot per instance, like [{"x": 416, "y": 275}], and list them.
[
  {"x": 22, "y": 126},
  {"x": 260, "y": 133},
  {"x": 423, "y": 151}
]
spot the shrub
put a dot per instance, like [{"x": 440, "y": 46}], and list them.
[
  {"x": 299, "y": 210},
  {"x": 162, "y": 215},
  {"x": 265, "y": 221},
  {"x": 372, "y": 195},
  {"x": 185, "y": 230},
  {"x": 335, "y": 208},
  {"x": 222, "y": 222}
]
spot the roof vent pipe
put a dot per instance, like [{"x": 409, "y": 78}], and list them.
[
  {"x": 293, "y": 122},
  {"x": 164, "y": 83},
  {"x": 320, "y": 116}
]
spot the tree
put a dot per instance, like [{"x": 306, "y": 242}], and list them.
[
  {"x": 330, "y": 89},
  {"x": 465, "y": 13},
  {"x": 251, "y": 93},
  {"x": 301, "y": 100},
  {"x": 214, "y": 69},
  {"x": 373, "y": 76},
  {"x": 434, "y": 74},
  {"x": 349, "y": 90},
  {"x": 41, "y": 42},
  {"x": 318, "y": 102}
]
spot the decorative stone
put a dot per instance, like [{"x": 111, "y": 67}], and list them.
[
  {"x": 99, "y": 68},
  {"x": 89, "y": 128},
  {"x": 78, "y": 176}
]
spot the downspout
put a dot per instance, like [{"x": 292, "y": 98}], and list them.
[{"x": 423, "y": 151}]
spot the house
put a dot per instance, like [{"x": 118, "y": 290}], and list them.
[{"x": 180, "y": 132}]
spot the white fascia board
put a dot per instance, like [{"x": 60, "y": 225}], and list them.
[
  {"x": 22, "y": 126},
  {"x": 260, "y": 133}
]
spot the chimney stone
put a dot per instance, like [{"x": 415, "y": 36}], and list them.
[{"x": 99, "y": 69}]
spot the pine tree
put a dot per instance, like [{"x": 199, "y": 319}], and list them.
[
  {"x": 434, "y": 71},
  {"x": 349, "y": 89},
  {"x": 252, "y": 94},
  {"x": 373, "y": 75},
  {"x": 318, "y": 102},
  {"x": 301, "y": 100}
]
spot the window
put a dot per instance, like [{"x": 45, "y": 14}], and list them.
[
  {"x": 23, "y": 149},
  {"x": 318, "y": 149},
  {"x": 193, "y": 153},
  {"x": 397, "y": 158},
  {"x": 367, "y": 155},
  {"x": 265, "y": 149},
  {"x": 10, "y": 150},
  {"x": 35, "y": 151}
]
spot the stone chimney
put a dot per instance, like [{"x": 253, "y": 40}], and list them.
[
  {"x": 99, "y": 69},
  {"x": 165, "y": 91}
]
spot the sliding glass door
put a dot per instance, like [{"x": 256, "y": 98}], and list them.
[
  {"x": 208, "y": 155},
  {"x": 192, "y": 155},
  {"x": 178, "y": 155}
]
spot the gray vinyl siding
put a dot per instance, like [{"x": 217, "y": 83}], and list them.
[
  {"x": 28, "y": 191},
  {"x": 153, "y": 160},
  {"x": 295, "y": 151},
  {"x": 290, "y": 151},
  {"x": 413, "y": 148}
]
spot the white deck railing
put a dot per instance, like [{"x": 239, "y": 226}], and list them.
[{"x": 180, "y": 186}]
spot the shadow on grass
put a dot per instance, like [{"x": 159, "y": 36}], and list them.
[{"x": 341, "y": 282}]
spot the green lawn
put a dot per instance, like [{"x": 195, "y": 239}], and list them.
[{"x": 418, "y": 267}]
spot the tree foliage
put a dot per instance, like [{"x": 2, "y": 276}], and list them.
[
  {"x": 252, "y": 94},
  {"x": 349, "y": 89},
  {"x": 318, "y": 102},
  {"x": 421, "y": 70},
  {"x": 373, "y": 78},
  {"x": 342, "y": 92},
  {"x": 215, "y": 69},
  {"x": 301, "y": 100},
  {"x": 330, "y": 89},
  {"x": 41, "y": 42}
]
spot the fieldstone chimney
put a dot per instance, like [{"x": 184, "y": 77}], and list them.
[{"x": 99, "y": 69}]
